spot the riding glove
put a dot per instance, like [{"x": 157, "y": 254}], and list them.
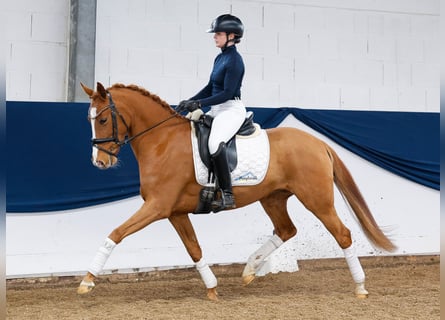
[{"x": 189, "y": 105}]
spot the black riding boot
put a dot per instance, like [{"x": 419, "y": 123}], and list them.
[{"x": 222, "y": 172}]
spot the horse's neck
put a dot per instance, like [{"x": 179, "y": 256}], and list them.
[
  {"x": 160, "y": 127},
  {"x": 147, "y": 108},
  {"x": 145, "y": 113}
]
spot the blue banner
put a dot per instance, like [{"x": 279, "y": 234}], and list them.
[{"x": 48, "y": 151}]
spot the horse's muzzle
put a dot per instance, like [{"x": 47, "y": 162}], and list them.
[{"x": 99, "y": 164}]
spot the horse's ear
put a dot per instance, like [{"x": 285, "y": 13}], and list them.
[
  {"x": 100, "y": 88},
  {"x": 87, "y": 90}
]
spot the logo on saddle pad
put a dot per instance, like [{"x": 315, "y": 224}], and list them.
[{"x": 252, "y": 159}]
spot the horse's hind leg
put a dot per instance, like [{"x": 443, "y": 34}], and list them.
[
  {"x": 343, "y": 237},
  {"x": 184, "y": 228},
  {"x": 275, "y": 206},
  {"x": 322, "y": 206}
]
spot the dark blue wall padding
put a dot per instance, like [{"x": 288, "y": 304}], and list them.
[
  {"x": 405, "y": 143},
  {"x": 48, "y": 151},
  {"x": 48, "y": 160}
]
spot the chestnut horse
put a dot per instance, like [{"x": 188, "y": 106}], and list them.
[{"x": 300, "y": 165}]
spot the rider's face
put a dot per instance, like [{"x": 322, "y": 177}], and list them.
[{"x": 221, "y": 39}]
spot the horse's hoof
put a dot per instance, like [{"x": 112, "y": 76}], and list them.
[
  {"x": 212, "y": 294},
  {"x": 248, "y": 279},
  {"x": 360, "y": 291},
  {"x": 85, "y": 287}
]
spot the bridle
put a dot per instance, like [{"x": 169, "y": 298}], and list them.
[{"x": 115, "y": 135}]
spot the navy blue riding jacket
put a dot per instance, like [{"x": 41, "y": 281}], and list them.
[{"x": 225, "y": 79}]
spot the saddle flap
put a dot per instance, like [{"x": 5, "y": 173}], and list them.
[{"x": 202, "y": 129}]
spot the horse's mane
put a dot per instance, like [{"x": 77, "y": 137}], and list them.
[{"x": 144, "y": 92}]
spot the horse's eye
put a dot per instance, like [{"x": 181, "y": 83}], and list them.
[{"x": 102, "y": 121}]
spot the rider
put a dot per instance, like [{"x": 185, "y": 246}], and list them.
[{"x": 223, "y": 94}]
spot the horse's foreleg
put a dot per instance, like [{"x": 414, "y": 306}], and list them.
[
  {"x": 143, "y": 217},
  {"x": 184, "y": 228},
  {"x": 96, "y": 266}
]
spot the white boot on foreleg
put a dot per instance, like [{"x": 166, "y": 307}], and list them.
[
  {"x": 97, "y": 265},
  {"x": 208, "y": 278}
]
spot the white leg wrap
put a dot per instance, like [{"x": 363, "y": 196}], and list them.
[
  {"x": 206, "y": 274},
  {"x": 354, "y": 264},
  {"x": 256, "y": 260},
  {"x": 101, "y": 257}
]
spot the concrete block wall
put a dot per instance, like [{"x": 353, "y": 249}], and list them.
[
  {"x": 37, "y": 49},
  {"x": 367, "y": 55},
  {"x": 340, "y": 54}
]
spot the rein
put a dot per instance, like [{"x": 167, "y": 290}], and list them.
[{"x": 114, "y": 138}]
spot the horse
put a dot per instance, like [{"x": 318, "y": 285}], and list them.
[{"x": 299, "y": 164}]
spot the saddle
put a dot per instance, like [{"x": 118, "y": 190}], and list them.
[{"x": 202, "y": 129}]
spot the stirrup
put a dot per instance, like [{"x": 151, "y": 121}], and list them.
[
  {"x": 205, "y": 200},
  {"x": 227, "y": 201}
]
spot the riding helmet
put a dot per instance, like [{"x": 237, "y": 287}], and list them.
[{"x": 229, "y": 24}]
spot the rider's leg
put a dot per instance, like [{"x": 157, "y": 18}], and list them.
[
  {"x": 222, "y": 172},
  {"x": 227, "y": 120}
]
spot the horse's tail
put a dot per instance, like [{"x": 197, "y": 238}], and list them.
[{"x": 352, "y": 195}]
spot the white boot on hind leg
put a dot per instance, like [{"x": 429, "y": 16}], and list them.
[
  {"x": 256, "y": 260},
  {"x": 358, "y": 275}
]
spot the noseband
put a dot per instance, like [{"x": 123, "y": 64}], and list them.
[{"x": 115, "y": 135}]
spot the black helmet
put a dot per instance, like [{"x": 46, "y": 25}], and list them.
[{"x": 229, "y": 24}]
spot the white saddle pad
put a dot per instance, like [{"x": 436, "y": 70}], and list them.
[{"x": 253, "y": 159}]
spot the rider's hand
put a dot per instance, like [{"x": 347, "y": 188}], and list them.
[{"x": 189, "y": 105}]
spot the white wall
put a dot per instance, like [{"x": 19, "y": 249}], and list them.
[
  {"x": 317, "y": 54},
  {"x": 65, "y": 242},
  {"x": 341, "y": 54},
  {"x": 36, "y": 60}
]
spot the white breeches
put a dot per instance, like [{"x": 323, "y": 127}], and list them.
[{"x": 228, "y": 118}]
